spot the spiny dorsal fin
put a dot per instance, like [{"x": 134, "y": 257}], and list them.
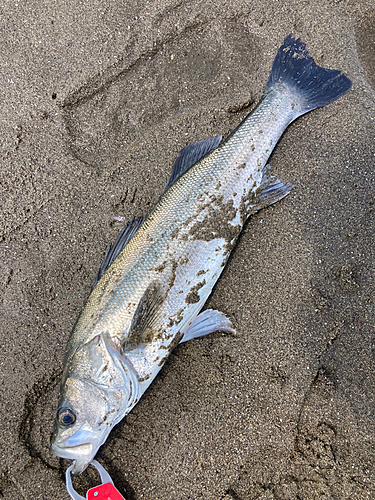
[
  {"x": 142, "y": 329},
  {"x": 115, "y": 248},
  {"x": 189, "y": 156}
]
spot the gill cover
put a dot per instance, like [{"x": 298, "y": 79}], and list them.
[{"x": 98, "y": 362}]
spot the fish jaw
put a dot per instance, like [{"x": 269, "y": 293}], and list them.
[
  {"x": 80, "y": 447},
  {"x": 80, "y": 464}
]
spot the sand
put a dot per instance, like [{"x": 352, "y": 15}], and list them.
[{"x": 97, "y": 98}]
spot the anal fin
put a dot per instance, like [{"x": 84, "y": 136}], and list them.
[{"x": 269, "y": 192}]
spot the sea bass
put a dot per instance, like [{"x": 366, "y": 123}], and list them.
[{"x": 158, "y": 275}]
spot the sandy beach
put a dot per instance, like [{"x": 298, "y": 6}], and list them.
[{"x": 97, "y": 99}]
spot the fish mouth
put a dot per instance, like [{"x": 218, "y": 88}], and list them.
[
  {"x": 83, "y": 443},
  {"x": 72, "y": 452},
  {"x": 80, "y": 447}
]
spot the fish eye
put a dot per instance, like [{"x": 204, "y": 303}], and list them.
[{"x": 66, "y": 416}]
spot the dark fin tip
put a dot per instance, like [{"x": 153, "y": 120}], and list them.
[{"x": 296, "y": 69}]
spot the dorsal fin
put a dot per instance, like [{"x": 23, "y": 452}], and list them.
[
  {"x": 141, "y": 329},
  {"x": 115, "y": 248},
  {"x": 189, "y": 156}
]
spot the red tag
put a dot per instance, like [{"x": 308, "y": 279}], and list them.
[{"x": 104, "y": 491}]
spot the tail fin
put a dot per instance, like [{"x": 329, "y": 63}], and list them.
[{"x": 295, "y": 68}]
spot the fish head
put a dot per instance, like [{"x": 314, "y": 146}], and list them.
[{"x": 98, "y": 389}]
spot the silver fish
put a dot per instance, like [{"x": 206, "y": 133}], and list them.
[{"x": 156, "y": 278}]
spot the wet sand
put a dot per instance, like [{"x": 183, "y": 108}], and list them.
[{"x": 97, "y": 99}]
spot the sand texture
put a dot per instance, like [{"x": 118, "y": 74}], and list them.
[{"x": 97, "y": 98}]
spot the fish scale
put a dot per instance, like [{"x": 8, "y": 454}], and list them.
[
  {"x": 247, "y": 145},
  {"x": 150, "y": 291}
]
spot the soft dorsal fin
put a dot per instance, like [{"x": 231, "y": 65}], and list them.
[
  {"x": 115, "y": 248},
  {"x": 189, "y": 156},
  {"x": 142, "y": 329}
]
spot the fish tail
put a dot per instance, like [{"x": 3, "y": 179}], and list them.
[{"x": 294, "y": 68}]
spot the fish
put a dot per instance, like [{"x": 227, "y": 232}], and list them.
[{"x": 155, "y": 279}]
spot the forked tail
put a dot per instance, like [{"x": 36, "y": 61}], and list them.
[{"x": 294, "y": 68}]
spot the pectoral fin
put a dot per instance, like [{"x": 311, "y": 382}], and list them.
[
  {"x": 143, "y": 326},
  {"x": 206, "y": 322}
]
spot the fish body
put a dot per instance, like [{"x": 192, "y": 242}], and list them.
[{"x": 149, "y": 295}]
